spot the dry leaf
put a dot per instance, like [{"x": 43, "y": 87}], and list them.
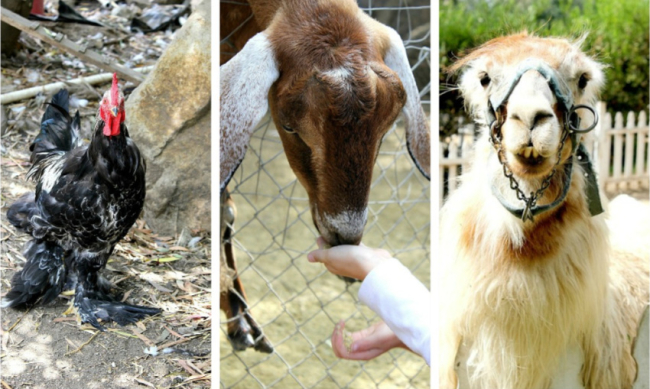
[
  {"x": 146, "y": 340},
  {"x": 167, "y": 259},
  {"x": 187, "y": 368},
  {"x": 143, "y": 382}
]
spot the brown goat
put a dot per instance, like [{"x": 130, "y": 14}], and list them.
[{"x": 335, "y": 80}]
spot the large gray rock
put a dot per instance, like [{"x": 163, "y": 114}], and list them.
[{"x": 168, "y": 116}]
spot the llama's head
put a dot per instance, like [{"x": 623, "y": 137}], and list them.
[{"x": 527, "y": 86}]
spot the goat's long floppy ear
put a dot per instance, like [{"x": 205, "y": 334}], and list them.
[
  {"x": 245, "y": 83},
  {"x": 417, "y": 124}
]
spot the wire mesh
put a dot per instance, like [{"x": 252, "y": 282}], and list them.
[{"x": 298, "y": 303}]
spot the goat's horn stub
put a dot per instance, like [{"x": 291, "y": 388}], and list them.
[{"x": 114, "y": 89}]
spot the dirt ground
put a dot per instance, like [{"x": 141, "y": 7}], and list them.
[
  {"x": 298, "y": 303},
  {"x": 42, "y": 347}
]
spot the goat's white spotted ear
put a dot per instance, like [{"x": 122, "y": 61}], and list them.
[
  {"x": 245, "y": 83},
  {"x": 417, "y": 123}
]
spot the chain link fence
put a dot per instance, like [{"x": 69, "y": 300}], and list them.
[{"x": 298, "y": 303}]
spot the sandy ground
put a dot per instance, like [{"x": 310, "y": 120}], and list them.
[{"x": 298, "y": 303}]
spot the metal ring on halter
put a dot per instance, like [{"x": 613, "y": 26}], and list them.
[
  {"x": 583, "y": 130},
  {"x": 493, "y": 129}
]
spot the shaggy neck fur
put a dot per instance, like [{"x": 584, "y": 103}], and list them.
[{"x": 521, "y": 293}]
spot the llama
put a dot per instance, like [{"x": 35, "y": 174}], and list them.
[{"x": 529, "y": 276}]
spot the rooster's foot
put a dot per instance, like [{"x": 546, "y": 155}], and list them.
[{"x": 90, "y": 311}]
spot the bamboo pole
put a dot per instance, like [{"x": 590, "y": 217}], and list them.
[{"x": 18, "y": 95}]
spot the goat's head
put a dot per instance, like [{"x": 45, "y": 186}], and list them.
[
  {"x": 529, "y": 85},
  {"x": 335, "y": 81}
]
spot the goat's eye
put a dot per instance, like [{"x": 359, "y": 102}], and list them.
[
  {"x": 485, "y": 80},
  {"x": 584, "y": 79},
  {"x": 288, "y": 129}
]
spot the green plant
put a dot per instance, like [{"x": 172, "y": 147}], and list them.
[{"x": 618, "y": 36}]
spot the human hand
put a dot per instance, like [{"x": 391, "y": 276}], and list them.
[
  {"x": 366, "y": 344},
  {"x": 348, "y": 261}
]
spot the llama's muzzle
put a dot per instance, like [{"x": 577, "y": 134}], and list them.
[{"x": 570, "y": 123}]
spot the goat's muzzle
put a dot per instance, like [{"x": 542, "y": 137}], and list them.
[{"x": 343, "y": 228}]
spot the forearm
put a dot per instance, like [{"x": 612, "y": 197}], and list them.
[{"x": 402, "y": 302}]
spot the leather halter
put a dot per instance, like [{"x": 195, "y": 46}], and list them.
[{"x": 571, "y": 129}]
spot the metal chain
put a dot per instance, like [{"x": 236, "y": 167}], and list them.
[{"x": 514, "y": 184}]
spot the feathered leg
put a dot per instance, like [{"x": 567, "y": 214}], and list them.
[
  {"x": 93, "y": 302},
  {"x": 42, "y": 278}
]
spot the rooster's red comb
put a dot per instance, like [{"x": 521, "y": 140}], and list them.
[{"x": 114, "y": 89}]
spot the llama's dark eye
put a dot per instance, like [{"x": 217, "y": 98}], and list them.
[
  {"x": 582, "y": 83},
  {"x": 288, "y": 129},
  {"x": 485, "y": 80}
]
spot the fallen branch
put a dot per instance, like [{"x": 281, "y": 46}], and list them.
[
  {"x": 174, "y": 343},
  {"x": 82, "y": 346},
  {"x": 187, "y": 368},
  {"x": 31, "y": 92},
  {"x": 36, "y": 30},
  {"x": 176, "y": 334},
  {"x": 19, "y": 319}
]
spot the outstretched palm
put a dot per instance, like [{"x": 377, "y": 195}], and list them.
[{"x": 366, "y": 344}]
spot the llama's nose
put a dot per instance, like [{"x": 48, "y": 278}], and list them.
[
  {"x": 531, "y": 102},
  {"x": 539, "y": 117}
]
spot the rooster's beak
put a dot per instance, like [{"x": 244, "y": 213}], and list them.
[{"x": 114, "y": 111}]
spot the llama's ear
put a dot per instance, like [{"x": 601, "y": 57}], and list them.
[
  {"x": 245, "y": 83},
  {"x": 417, "y": 123}
]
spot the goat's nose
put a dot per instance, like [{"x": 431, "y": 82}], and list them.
[
  {"x": 343, "y": 227},
  {"x": 348, "y": 238}
]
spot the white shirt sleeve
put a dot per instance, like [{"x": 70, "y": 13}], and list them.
[{"x": 403, "y": 302}]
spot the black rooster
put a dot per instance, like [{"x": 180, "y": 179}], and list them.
[{"x": 87, "y": 197}]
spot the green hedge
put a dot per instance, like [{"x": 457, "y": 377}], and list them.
[{"x": 618, "y": 36}]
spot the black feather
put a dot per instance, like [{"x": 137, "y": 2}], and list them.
[
  {"x": 42, "y": 277},
  {"x": 59, "y": 132},
  {"x": 21, "y": 212}
]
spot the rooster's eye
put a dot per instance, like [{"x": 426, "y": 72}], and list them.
[{"x": 288, "y": 129}]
